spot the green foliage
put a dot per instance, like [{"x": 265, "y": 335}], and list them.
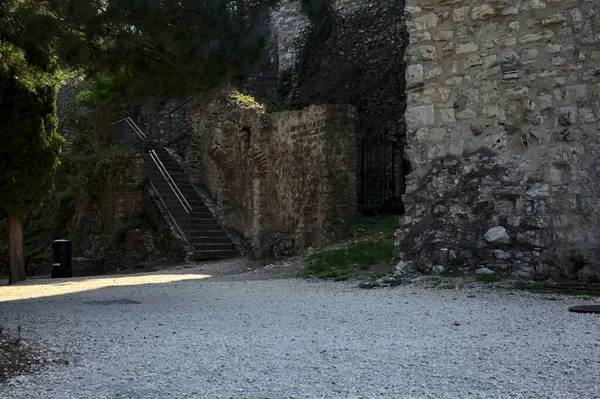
[
  {"x": 132, "y": 222},
  {"x": 378, "y": 226},
  {"x": 80, "y": 182},
  {"x": 277, "y": 103},
  {"x": 92, "y": 165},
  {"x": 244, "y": 99},
  {"x": 372, "y": 245},
  {"x": 29, "y": 154},
  {"x": 101, "y": 91},
  {"x": 341, "y": 264},
  {"x": 163, "y": 47},
  {"x": 183, "y": 145},
  {"x": 280, "y": 100}
]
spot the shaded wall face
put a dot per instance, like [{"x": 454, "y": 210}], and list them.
[
  {"x": 353, "y": 57},
  {"x": 279, "y": 179},
  {"x": 502, "y": 119}
]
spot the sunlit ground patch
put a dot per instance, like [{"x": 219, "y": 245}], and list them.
[{"x": 44, "y": 288}]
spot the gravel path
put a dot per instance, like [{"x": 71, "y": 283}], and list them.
[{"x": 179, "y": 334}]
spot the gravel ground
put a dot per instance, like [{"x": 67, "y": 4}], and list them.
[{"x": 183, "y": 334}]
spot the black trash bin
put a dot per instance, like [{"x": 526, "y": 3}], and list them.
[{"x": 61, "y": 259}]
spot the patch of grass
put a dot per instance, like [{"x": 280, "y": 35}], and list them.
[
  {"x": 342, "y": 264},
  {"x": 488, "y": 278},
  {"x": 389, "y": 206},
  {"x": 378, "y": 226},
  {"x": 538, "y": 288},
  {"x": 369, "y": 244},
  {"x": 451, "y": 286}
]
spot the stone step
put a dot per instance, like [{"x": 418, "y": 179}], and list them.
[
  {"x": 204, "y": 246},
  {"x": 205, "y": 227},
  {"x": 215, "y": 254},
  {"x": 202, "y": 239},
  {"x": 206, "y": 236},
  {"x": 176, "y": 173}
]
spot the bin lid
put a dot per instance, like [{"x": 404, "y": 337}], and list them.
[{"x": 65, "y": 244}]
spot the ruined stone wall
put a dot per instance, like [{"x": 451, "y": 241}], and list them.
[
  {"x": 281, "y": 180},
  {"x": 352, "y": 54},
  {"x": 122, "y": 225},
  {"x": 358, "y": 60},
  {"x": 502, "y": 121}
]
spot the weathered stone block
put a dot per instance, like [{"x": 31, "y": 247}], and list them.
[
  {"x": 461, "y": 13},
  {"x": 420, "y": 116},
  {"x": 427, "y": 52},
  {"x": 559, "y": 17},
  {"x": 576, "y": 93},
  {"x": 426, "y": 21},
  {"x": 466, "y": 48},
  {"x": 444, "y": 35},
  {"x": 482, "y": 12},
  {"x": 414, "y": 74}
]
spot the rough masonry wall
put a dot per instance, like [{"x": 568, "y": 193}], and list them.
[
  {"x": 359, "y": 62},
  {"x": 289, "y": 27},
  {"x": 352, "y": 54},
  {"x": 502, "y": 129},
  {"x": 281, "y": 180},
  {"x": 122, "y": 225}
]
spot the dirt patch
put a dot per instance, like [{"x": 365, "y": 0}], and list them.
[{"x": 16, "y": 355}]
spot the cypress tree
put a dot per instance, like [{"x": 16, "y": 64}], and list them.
[{"x": 29, "y": 145}]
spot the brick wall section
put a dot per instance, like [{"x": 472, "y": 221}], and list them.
[
  {"x": 290, "y": 174},
  {"x": 502, "y": 120}
]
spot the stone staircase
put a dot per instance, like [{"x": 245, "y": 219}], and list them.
[
  {"x": 184, "y": 205},
  {"x": 205, "y": 234}
]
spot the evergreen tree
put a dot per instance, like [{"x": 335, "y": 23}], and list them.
[
  {"x": 165, "y": 47},
  {"x": 30, "y": 144},
  {"x": 170, "y": 48}
]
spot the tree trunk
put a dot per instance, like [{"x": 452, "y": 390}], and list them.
[{"x": 16, "y": 260}]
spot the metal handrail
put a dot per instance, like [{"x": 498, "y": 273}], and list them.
[
  {"x": 135, "y": 128},
  {"x": 170, "y": 179},
  {"x": 181, "y": 105},
  {"x": 185, "y": 230},
  {"x": 185, "y": 117}
]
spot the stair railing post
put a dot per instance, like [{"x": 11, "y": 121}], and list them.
[
  {"x": 150, "y": 167},
  {"x": 188, "y": 232},
  {"x": 170, "y": 128}
]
